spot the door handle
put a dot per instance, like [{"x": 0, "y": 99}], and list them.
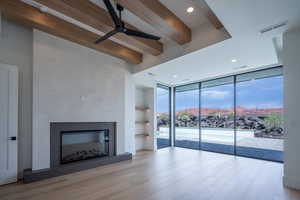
[{"x": 13, "y": 138}]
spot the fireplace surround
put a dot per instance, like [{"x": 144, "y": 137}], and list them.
[
  {"x": 76, "y": 146},
  {"x": 82, "y": 137}
]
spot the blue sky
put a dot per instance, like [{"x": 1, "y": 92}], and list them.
[{"x": 261, "y": 93}]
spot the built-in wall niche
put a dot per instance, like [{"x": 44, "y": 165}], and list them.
[
  {"x": 144, "y": 116},
  {"x": 142, "y": 122}
]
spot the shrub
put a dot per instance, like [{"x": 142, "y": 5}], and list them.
[{"x": 273, "y": 120}]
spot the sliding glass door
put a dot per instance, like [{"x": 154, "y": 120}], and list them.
[
  {"x": 259, "y": 98},
  {"x": 239, "y": 114},
  {"x": 163, "y": 117},
  {"x": 217, "y": 115},
  {"x": 187, "y": 116}
]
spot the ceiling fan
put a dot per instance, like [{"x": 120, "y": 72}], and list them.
[{"x": 120, "y": 25}]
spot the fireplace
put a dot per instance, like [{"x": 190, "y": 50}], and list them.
[
  {"x": 76, "y": 146},
  {"x": 83, "y": 145},
  {"x": 74, "y": 142}
]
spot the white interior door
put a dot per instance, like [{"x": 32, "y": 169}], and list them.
[{"x": 8, "y": 123}]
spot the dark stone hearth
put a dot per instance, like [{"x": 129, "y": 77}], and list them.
[{"x": 30, "y": 176}]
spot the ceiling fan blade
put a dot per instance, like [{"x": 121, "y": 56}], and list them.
[
  {"x": 109, "y": 34},
  {"x": 140, "y": 34},
  {"x": 112, "y": 12}
]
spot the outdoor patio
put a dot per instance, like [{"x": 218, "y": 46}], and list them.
[{"x": 222, "y": 140}]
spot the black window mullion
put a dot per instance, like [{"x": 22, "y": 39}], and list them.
[
  {"x": 234, "y": 113},
  {"x": 174, "y": 116},
  {"x": 199, "y": 118},
  {"x": 170, "y": 116}
]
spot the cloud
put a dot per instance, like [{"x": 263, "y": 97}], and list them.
[{"x": 215, "y": 94}]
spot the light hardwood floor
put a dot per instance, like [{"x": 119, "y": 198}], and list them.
[{"x": 171, "y": 173}]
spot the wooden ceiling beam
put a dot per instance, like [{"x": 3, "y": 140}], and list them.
[
  {"x": 160, "y": 17},
  {"x": 90, "y": 14},
  {"x": 33, "y": 17}
]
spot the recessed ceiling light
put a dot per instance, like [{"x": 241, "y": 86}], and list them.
[
  {"x": 175, "y": 76},
  {"x": 234, "y": 60},
  {"x": 190, "y": 10}
]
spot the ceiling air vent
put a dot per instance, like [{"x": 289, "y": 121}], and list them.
[{"x": 273, "y": 27}]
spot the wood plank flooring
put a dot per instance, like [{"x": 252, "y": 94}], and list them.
[{"x": 171, "y": 173}]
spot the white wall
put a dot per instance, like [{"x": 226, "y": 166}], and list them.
[
  {"x": 291, "y": 62},
  {"x": 129, "y": 105},
  {"x": 72, "y": 83},
  {"x": 16, "y": 49}
]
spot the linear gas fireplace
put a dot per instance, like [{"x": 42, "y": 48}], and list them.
[{"x": 83, "y": 145}]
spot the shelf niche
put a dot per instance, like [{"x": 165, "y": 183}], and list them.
[{"x": 144, "y": 118}]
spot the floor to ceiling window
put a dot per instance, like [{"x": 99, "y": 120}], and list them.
[
  {"x": 187, "y": 116},
  {"x": 217, "y": 115},
  {"x": 240, "y": 114},
  {"x": 163, "y": 117},
  {"x": 259, "y": 97}
]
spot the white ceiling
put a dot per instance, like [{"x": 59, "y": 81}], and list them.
[
  {"x": 243, "y": 19},
  {"x": 193, "y": 20}
]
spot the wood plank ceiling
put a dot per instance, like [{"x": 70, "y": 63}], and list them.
[{"x": 152, "y": 12}]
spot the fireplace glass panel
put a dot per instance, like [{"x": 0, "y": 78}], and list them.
[{"x": 83, "y": 145}]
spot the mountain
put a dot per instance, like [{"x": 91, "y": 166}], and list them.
[{"x": 240, "y": 111}]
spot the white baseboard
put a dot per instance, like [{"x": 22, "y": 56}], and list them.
[{"x": 291, "y": 182}]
